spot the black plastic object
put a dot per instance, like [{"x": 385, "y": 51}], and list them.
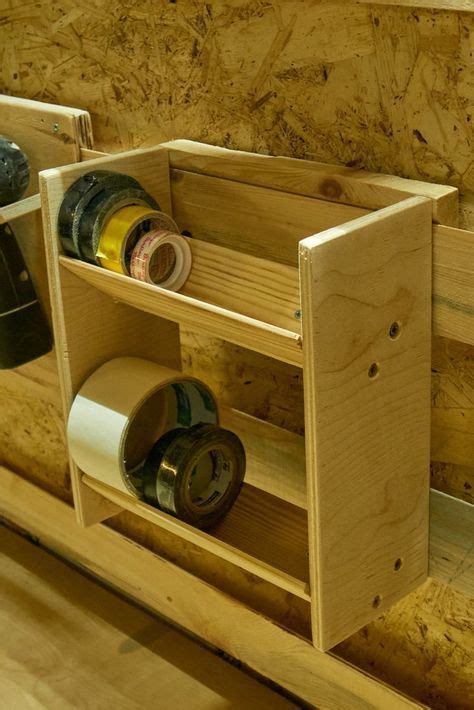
[
  {"x": 100, "y": 209},
  {"x": 24, "y": 330},
  {"x": 195, "y": 473},
  {"x": 77, "y": 200},
  {"x": 14, "y": 172}
]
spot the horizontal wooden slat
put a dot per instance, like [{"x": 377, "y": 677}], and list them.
[
  {"x": 453, "y": 283},
  {"x": 256, "y": 220},
  {"x": 319, "y": 678},
  {"x": 452, "y": 541},
  {"x": 20, "y": 208},
  {"x": 258, "y": 288},
  {"x": 262, "y": 534},
  {"x": 303, "y": 177},
  {"x": 455, "y": 5},
  {"x": 275, "y": 456},
  {"x": 220, "y": 322}
]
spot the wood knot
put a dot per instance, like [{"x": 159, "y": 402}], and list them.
[{"x": 332, "y": 189}]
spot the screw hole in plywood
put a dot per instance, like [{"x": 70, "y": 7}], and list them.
[
  {"x": 398, "y": 564},
  {"x": 376, "y": 602},
  {"x": 394, "y": 331},
  {"x": 373, "y": 371}
]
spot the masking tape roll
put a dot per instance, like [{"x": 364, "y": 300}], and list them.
[
  {"x": 123, "y": 408},
  {"x": 122, "y": 231},
  {"x": 161, "y": 258}
]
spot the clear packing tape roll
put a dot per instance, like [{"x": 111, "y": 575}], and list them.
[{"x": 123, "y": 408}]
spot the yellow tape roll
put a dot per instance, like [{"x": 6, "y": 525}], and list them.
[{"x": 122, "y": 231}]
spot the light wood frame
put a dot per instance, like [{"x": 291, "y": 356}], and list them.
[{"x": 361, "y": 270}]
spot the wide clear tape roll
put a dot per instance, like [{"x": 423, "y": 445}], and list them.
[{"x": 123, "y": 408}]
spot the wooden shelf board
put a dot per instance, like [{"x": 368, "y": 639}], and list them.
[
  {"x": 242, "y": 538},
  {"x": 190, "y": 312}
]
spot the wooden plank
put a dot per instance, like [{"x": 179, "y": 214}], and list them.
[
  {"x": 318, "y": 678},
  {"x": 242, "y": 538},
  {"x": 89, "y": 327},
  {"x": 454, "y": 5},
  {"x": 452, "y": 541},
  {"x": 252, "y": 219},
  {"x": 303, "y": 177},
  {"x": 453, "y": 283},
  {"x": 118, "y": 655},
  {"x": 275, "y": 456},
  {"x": 258, "y": 288},
  {"x": 19, "y": 209},
  {"x": 50, "y": 135},
  {"x": 219, "y": 322},
  {"x": 367, "y": 413}
]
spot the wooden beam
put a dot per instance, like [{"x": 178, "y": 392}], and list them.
[{"x": 318, "y": 678}]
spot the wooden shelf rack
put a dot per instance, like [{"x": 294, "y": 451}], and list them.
[{"x": 338, "y": 517}]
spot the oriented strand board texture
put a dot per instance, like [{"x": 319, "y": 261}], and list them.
[{"x": 385, "y": 88}]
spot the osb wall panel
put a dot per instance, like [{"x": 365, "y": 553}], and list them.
[{"x": 385, "y": 88}]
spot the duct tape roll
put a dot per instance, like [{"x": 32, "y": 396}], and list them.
[
  {"x": 98, "y": 212},
  {"x": 77, "y": 198},
  {"x": 195, "y": 474},
  {"x": 122, "y": 231},
  {"x": 123, "y": 408},
  {"x": 161, "y": 258}
]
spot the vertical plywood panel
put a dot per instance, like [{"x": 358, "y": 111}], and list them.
[{"x": 367, "y": 412}]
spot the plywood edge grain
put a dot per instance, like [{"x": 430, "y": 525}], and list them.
[{"x": 318, "y": 678}]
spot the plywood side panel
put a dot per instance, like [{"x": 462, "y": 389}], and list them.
[
  {"x": 90, "y": 328},
  {"x": 367, "y": 412}
]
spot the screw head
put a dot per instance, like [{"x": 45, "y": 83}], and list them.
[
  {"x": 55, "y": 127},
  {"x": 298, "y": 314}
]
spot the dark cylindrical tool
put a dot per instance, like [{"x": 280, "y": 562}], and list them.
[
  {"x": 24, "y": 331},
  {"x": 14, "y": 172}
]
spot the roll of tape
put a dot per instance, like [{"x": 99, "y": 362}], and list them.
[
  {"x": 123, "y": 408},
  {"x": 77, "y": 198},
  {"x": 99, "y": 211},
  {"x": 195, "y": 474},
  {"x": 161, "y": 258},
  {"x": 122, "y": 231}
]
